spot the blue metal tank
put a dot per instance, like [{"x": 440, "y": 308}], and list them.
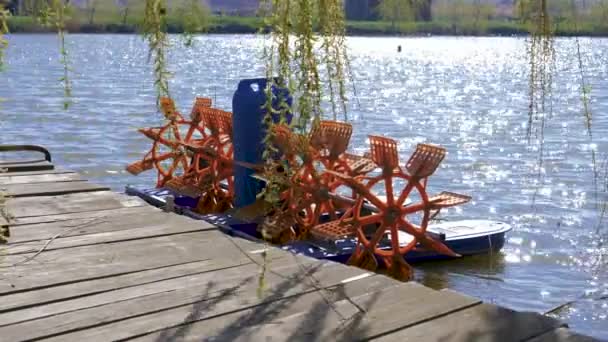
[{"x": 248, "y": 132}]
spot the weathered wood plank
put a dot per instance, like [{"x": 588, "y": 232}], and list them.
[
  {"x": 394, "y": 307},
  {"x": 193, "y": 282},
  {"x": 209, "y": 272},
  {"x": 23, "y": 167},
  {"x": 481, "y": 323},
  {"x": 231, "y": 290},
  {"x": 39, "y": 178},
  {"x": 71, "y": 203},
  {"x": 51, "y": 189},
  {"x": 30, "y": 173},
  {"x": 22, "y": 300},
  {"x": 561, "y": 335},
  {"x": 103, "y": 222},
  {"x": 160, "y": 225},
  {"x": 21, "y": 272},
  {"x": 41, "y": 221}
]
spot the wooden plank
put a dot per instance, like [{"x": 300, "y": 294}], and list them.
[
  {"x": 54, "y": 267},
  {"x": 238, "y": 290},
  {"x": 383, "y": 311},
  {"x": 39, "y": 178},
  {"x": 51, "y": 189},
  {"x": 209, "y": 270},
  {"x": 561, "y": 335},
  {"x": 481, "y": 323},
  {"x": 24, "y": 167},
  {"x": 305, "y": 319},
  {"x": 71, "y": 203},
  {"x": 80, "y": 216},
  {"x": 53, "y": 294},
  {"x": 164, "y": 224},
  {"x": 31, "y": 173},
  {"x": 103, "y": 222}
]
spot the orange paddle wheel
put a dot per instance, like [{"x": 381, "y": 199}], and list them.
[
  {"x": 403, "y": 225},
  {"x": 167, "y": 154},
  {"x": 211, "y": 170}
]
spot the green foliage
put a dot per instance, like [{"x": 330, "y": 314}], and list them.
[
  {"x": 333, "y": 30},
  {"x": 54, "y": 13},
  {"x": 195, "y": 18},
  {"x": 472, "y": 17},
  {"x": 541, "y": 54},
  {"x": 154, "y": 31},
  {"x": 396, "y": 11},
  {"x": 4, "y": 14}
]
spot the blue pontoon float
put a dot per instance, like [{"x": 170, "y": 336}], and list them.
[{"x": 466, "y": 237}]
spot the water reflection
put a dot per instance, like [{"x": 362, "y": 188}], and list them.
[
  {"x": 466, "y": 94},
  {"x": 442, "y": 274}
]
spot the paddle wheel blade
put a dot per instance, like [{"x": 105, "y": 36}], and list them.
[
  {"x": 140, "y": 166},
  {"x": 333, "y": 230},
  {"x": 364, "y": 259},
  {"x": 434, "y": 245},
  {"x": 359, "y": 165},
  {"x": 331, "y": 137},
  {"x": 447, "y": 199},
  {"x": 398, "y": 269},
  {"x": 384, "y": 152},
  {"x": 152, "y": 133},
  {"x": 425, "y": 160}
]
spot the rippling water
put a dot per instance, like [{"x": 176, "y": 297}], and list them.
[{"x": 467, "y": 94}]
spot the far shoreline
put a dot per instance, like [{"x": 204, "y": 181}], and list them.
[{"x": 253, "y": 25}]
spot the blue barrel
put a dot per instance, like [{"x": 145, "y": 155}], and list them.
[{"x": 248, "y": 133}]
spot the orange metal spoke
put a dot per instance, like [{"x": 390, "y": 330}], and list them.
[
  {"x": 405, "y": 193},
  {"x": 370, "y": 219},
  {"x": 388, "y": 186},
  {"x": 412, "y": 208}
]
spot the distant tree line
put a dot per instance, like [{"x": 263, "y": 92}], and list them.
[{"x": 393, "y": 10}]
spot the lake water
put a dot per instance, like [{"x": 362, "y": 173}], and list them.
[{"x": 467, "y": 94}]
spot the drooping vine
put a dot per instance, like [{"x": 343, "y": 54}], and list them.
[
  {"x": 4, "y": 14},
  {"x": 541, "y": 53},
  {"x": 55, "y": 14},
  {"x": 308, "y": 83},
  {"x": 194, "y": 18},
  {"x": 301, "y": 54},
  {"x": 154, "y": 32},
  {"x": 333, "y": 31}
]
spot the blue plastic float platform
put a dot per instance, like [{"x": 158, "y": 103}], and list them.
[{"x": 466, "y": 237}]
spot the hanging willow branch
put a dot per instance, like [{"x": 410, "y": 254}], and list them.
[
  {"x": 194, "y": 18},
  {"x": 308, "y": 84},
  {"x": 295, "y": 52},
  {"x": 332, "y": 29},
  {"x": 55, "y": 15},
  {"x": 155, "y": 34},
  {"x": 541, "y": 52},
  {"x": 4, "y": 14},
  {"x": 585, "y": 89}
]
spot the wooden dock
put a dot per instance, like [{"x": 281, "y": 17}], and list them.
[{"x": 87, "y": 264}]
